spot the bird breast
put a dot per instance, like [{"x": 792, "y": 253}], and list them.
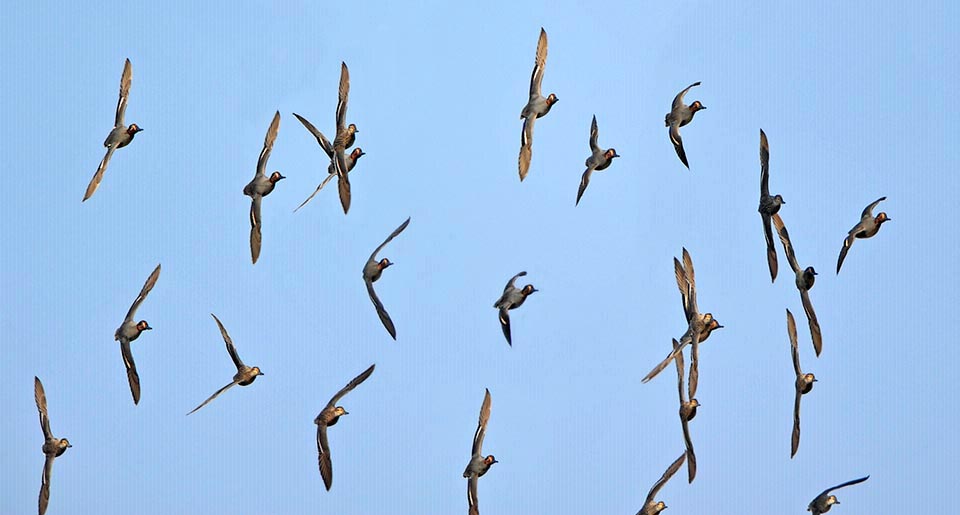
[
  {"x": 686, "y": 115},
  {"x": 769, "y": 205},
  {"x": 128, "y": 331},
  {"x": 869, "y": 231},
  {"x": 245, "y": 377},
  {"x": 599, "y": 160},
  {"x": 372, "y": 271},
  {"x": 326, "y": 417},
  {"x": 125, "y": 139}
]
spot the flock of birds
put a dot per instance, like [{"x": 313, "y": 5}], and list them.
[{"x": 699, "y": 326}]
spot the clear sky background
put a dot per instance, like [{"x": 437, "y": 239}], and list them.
[{"x": 856, "y": 99}]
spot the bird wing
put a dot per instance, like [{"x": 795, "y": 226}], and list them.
[
  {"x": 320, "y": 187},
  {"x": 268, "y": 141},
  {"x": 98, "y": 175},
  {"x": 667, "y": 474},
  {"x": 868, "y": 211},
  {"x": 132, "y": 376},
  {"x": 691, "y": 280},
  {"x": 342, "y": 97},
  {"x": 510, "y": 283},
  {"x": 472, "y": 496},
  {"x": 795, "y": 437},
  {"x": 847, "y": 243},
  {"x": 594, "y": 133},
  {"x": 536, "y": 78},
  {"x": 764, "y": 165},
  {"x": 147, "y": 286},
  {"x": 45, "y": 485},
  {"x": 214, "y": 396},
  {"x": 230, "y": 348},
  {"x": 256, "y": 237},
  {"x": 771, "y": 248},
  {"x": 505, "y": 324},
  {"x": 812, "y": 322},
  {"x": 666, "y": 361},
  {"x": 792, "y": 332},
  {"x": 694, "y": 363},
  {"x": 785, "y": 240},
  {"x": 691, "y": 457},
  {"x": 351, "y": 385},
  {"x": 323, "y": 456},
  {"x": 41, "y": 398},
  {"x": 584, "y": 182},
  {"x": 678, "y": 143},
  {"x": 343, "y": 180},
  {"x": 679, "y": 360},
  {"x": 390, "y": 238},
  {"x": 841, "y": 485},
  {"x": 481, "y": 425},
  {"x": 321, "y": 139},
  {"x": 678, "y": 100},
  {"x": 526, "y": 145},
  {"x": 684, "y": 288},
  {"x": 381, "y": 312},
  {"x": 124, "y": 93}
]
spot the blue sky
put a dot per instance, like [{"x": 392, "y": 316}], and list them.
[{"x": 856, "y": 100}]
